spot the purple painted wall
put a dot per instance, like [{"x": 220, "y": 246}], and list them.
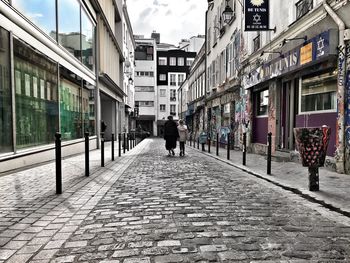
[
  {"x": 260, "y": 130},
  {"x": 317, "y": 120}
]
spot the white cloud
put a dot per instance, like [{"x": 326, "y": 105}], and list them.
[{"x": 173, "y": 19}]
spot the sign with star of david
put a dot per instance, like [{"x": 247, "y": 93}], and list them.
[{"x": 256, "y": 15}]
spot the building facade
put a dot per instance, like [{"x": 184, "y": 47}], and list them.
[
  {"x": 56, "y": 77},
  {"x": 172, "y": 70},
  {"x": 295, "y": 74},
  {"x": 145, "y": 84}
]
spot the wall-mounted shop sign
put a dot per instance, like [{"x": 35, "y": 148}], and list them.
[
  {"x": 256, "y": 15},
  {"x": 312, "y": 50}
]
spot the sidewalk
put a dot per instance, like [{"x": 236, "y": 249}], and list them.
[{"x": 334, "y": 188}]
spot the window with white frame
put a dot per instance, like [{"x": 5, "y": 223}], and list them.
[
  {"x": 318, "y": 93},
  {"x": 172, "y": 79},
  {"x": 172, "y": 109},
  {"x": 180, "y": 61},
  {"x": 162, "y": 92},
  {"x": 144, "y": 103},
  {"x": 162, "y": 107},
  {"x": 162, "y": 77},
  {"x": 162, "y": 61},
  {"x": 172, "y": 61},
  {"x": 180, "y": 79},
  {"x": 144, "y": 89},
  {"x": 172, "y": 95},
  {"x": 189, "y": 61}
]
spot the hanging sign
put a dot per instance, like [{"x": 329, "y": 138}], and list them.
[{"x": 256, "y": 15}]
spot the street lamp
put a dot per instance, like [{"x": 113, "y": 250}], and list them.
[{"x": 227, "y": 14}]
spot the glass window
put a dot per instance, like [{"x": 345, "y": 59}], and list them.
[
  {"x": 6, "y": 142},
  {"x": 162, "y": 93},
  {"x": 35, "y": 98},
  {"x": 162, "y": 61},
  {"x": 172, "y": 80},
  {"x": 41, "y": 13},
  {"x": 87, "y": 40},
  {"x": 263, "y": 102},
  {"x": 180, "y": 79},
  {"x": 144, "y": 103},
  {"x": 88, "y": 108},
  {"x": 144, "y": 89},
  {"x": 162, "y": 107},
  {"x": 69, "y": 26},
  {"x": 172, "y": 109},
  {"x": 302, "y": 7},
  {"x": 319, "y": 93},
  {"x": 180, "y": 61},
  {"x": 172, "y": 61},
  {"x": 70, "y": 110},
  {"x": 189, "y": 61},
  {"x": 173, "y": 95},
  {"x": 162, "y": 77}
]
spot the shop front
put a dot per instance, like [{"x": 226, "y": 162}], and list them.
[{"x": 296, "y": 89}]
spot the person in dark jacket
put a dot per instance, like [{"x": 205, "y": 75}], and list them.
[{"x": 170, "y": 135}]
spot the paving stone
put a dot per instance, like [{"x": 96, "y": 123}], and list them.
[{"x": 126, "y": 253}]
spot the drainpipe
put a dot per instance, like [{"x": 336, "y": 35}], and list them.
[{"x": 340, "y": 129}]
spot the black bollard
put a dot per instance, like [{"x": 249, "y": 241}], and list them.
[
  {"x": 191, "y": 140},
  {"x": 269, "y": 153},
  {"x": 58, "y": 163},
  {"x": 119, "y": 144},
  {"x": 217, "y": 144},
  {"x": 102, "y": 149},
  {"x": 124, "y": 142},
  {"x": 244, "y": 147},
  {"x": 131, "y": 146},
  {"x": 203, "y": 149},
  {"x": 228, "y": 146},
  {"x": 314, "y": 184},
  {"x": 87, "y": 153},
  {"x": 194, "y": 142},
  {"x": 209, "y": 145},
  {"x": 198, "y": 143},
  {"x": 112, "y": 146},
  {"x": 127, "y": 141}
]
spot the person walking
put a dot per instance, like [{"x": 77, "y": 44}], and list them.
[
  {"x": 183, "y": 133},
  {"x": 170, "y": 135}
]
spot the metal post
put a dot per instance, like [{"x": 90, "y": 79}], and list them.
[
  {"x": 203, "y": 149},
  {"x": 87, "y": 153},
  {"x": 119, "y": 144},
  {"x": 217, "y": 144},
  {"x": 198, "y": 143},
  {"x": 58, "y": 163},
  {"x": 124, "y": 142},
  {"x": 244, "y": 147},
  {"x": 228, "y": 146},
  {"x": 191, "y": 140},
  {"x": 131, "y": 146},
  {"x": 112, "y": 146},
  {"x": 269, "y": 153},
  {"x": 209, "y": 142},
  {"x": 102, "y": 149},
  {"x": 314, "y": 184},
  {"x": 127, "y": 141},
  {"x": 194, "y": 142}
]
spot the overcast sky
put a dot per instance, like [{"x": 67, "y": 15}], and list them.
[{"x": 173, "y": 19}]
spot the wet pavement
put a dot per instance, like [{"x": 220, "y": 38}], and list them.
[{"x": 148, "y": 207}]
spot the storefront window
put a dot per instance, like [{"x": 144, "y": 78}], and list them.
[
  {"x": 5, "y": 94},
  {"x": 318, "y": 93},
  {"x": 70, "y": 110},
  {"x": 41, "y": 13},
  {"x": 69, "y": 26},
  {"x": 262, "y": 103},
  {"x": 89, "y": 108},
  {"x": 36, "y": 97},
  {"x": 88, "y": 40}
]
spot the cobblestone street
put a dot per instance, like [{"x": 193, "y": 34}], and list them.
[{"x": 148, "y": 207}]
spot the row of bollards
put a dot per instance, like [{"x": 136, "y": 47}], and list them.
[
  {"x": 128, "y": 143},
  {"x": 244, "y": 148}
]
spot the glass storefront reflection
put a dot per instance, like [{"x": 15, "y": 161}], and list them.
[
  {"x": 88, "y": 40},
  {"x": 5, "y": 94},
  {"x": 35, "y": 96},
  {"x": 41, "y": 13},
  {"x": 69, "y": 26},
  {"x": 89, "y": 108}
]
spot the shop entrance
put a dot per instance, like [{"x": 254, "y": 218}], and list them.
[{"x": 287, "y": 116}]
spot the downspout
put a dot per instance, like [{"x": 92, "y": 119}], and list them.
[
  {"x": 205, "y": 72},
  {"x": 340, "y": 129}
]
